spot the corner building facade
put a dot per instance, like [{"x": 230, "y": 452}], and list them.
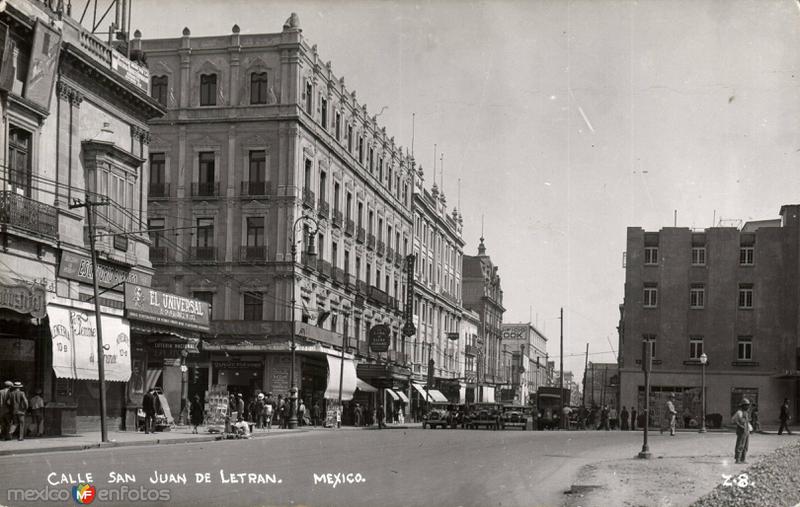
[
  {"x": 260, "y": 133},
  {"x": 727, "y": 292}
]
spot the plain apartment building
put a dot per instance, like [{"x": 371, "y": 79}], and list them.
[
  {"x": 264, "y": 146},
  {"x": 725, "y": 292},
  {"x": 525, "y": 356}
]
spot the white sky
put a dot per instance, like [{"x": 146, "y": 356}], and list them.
[{"x": 566, "y": 122}]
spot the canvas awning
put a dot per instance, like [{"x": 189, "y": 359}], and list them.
[
  {"x": 74, "y": 336},
  {"x": 438, "y": 397},
  {"x": 431, "y": 394},
  {"x": 365, "y": 387},
  {"x": 402, "y": 396},
  {"x": 349, "y": 380},
  {"x": 393, "y": 395}
]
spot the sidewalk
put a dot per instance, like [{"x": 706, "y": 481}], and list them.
[{"x": 176, "y": 435}]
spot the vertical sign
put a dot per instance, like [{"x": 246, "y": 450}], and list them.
[
  {"x": 42, "y": 68},
  {"x": 408, "y": 327}
]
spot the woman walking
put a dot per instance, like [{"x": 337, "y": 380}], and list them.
[{"x": 196, "y": 413}]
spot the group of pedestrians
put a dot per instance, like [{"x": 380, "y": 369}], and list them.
[{"x": 14, "y": 406}]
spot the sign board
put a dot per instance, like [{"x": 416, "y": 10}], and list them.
[
  {"x": 379, "y": 338},
  {"x": 42, "y": 66},
  {"x": 408, "y": 328},
  {"x": 150, "y": 305},
  {"x": 79, "y": 268},
  {"x": 132, "y": 72},
  {"x": 24, "y": 299}
]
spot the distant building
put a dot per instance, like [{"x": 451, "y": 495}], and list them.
[
  {"x": 601, "y": 382},
  {"x": 528, "y": 349},
  {"x": 729, "y": 293},
  {"x": 473, "y": 352}
]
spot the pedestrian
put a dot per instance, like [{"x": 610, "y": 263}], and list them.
[
  {"x": 565, "y": 412},
  {"x": 785, "y": 418},
  {"x": 196, "y": 412},
  {"x": 624, "y": 415},
  {"x": 240, "y": 406},
  {"x": 258, "y": 411},
  {"x": 301, "y": 413},
  {"x": 671, "y": 415},
  {"x": 37, "y": 412},
  {"x": 149, "y": 409},
  {"x": 315, "y": 412},
  {"x": 338, "y": 417},
  {"x": 5, "y": 413},
  {"x": 612, "y": 416},
  {"x": 232, "y": 406},
  {"x": 604, "y": 414},
  {"x": 742, "y": 421},
  {"x": 18, "y": 405},
  {"x": 633, "y": 418},
  {"x": 381, "y": 416},
  {"x": 357, "y": 415},
  {"x": 754, "y": 418},
  {"x": 269, "y": 410}
]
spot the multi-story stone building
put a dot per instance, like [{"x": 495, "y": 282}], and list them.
[
  {"x": 528, "y": 349},
  {"x": 725, "y": 292},
  {"x": 262, "y": 149},
  {"x": 438, "y": 249},
  {"x": 470, "y": 326},
  {"x": 483, "y": 294},
  {"x": 74, "y": 118}
]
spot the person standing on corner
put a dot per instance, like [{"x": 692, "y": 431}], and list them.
[
  {"x": 742, "y": 421},
  {"x": 785, "y": 417},
  {"x": 671, "y": 415},
  {"x": 149, "y": 409},
  {"x": 18, "y": 403},
  {"x": 196, "y": 413},
  {"x": 624, "y": 425},
  {"x": 37, "y": 411}
]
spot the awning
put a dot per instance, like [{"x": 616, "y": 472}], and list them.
[
  {"x": 393, "y": 395},
  {"x": 364, "y": 387},
  {"x": 402, "y": 396},
  {"x": 431, "y": 394},
  {"x": 438, "y": 397},
  {"x": 74, "y": 335},
  {"x": 348, "y": 378}
]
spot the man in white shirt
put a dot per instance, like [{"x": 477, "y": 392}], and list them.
[{"x": 671, "y": 415}]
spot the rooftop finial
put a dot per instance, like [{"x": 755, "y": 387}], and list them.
[{"x": 292, "y": 24}]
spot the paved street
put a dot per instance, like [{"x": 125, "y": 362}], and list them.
[{"x": 398, "y": 467}]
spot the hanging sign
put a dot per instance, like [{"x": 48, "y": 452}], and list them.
[
  {"x": 379, "y": 338},
  {"x": 24, "y": 299}
]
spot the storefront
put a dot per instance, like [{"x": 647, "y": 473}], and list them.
[
  {"x": 392, "y": 382},
  {"x": 23, "y": 334},
  {"x": 166, "y": 331}
]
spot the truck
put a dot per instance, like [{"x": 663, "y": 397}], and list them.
[{"x": 548, "y": 406}]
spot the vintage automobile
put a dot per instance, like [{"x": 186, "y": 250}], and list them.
[
  {"x": 438, "y": 416},
  {"x": 484, "y": 415},
  {"x": 517, "y": 416}
]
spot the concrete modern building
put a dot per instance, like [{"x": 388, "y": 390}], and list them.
[
  {"x": 483, "y": 294},
  {"x": 74, "y": 129},
  {"x": 263, "y": 148},
  {"x": 438, "y": 250},
  {"x": 527, "y": 347},
  {"x": 725, "y": 292}
]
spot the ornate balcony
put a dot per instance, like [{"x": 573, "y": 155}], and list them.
[
  {"x": 205, "y": 189},
  {"x": 361, "y": 287},
  {"x": 371, "y": 241},
  {"x": 253, "y": 253},
  {"x": 324, "y": 268},
  {"x": 337, "y": 218},
  {"x": 256, "y": 188},
  {"x": 308, "y": 261},
  {"x": 339, "y": 276},
  {"x": 323, "y": 208},
  {"x": 350, "y": 227},
  {"x": 351, "y": 281},
  {"x": 378, "y": 296},
  {"x": 25, "y": 214},
  {"x": 203, "y": 253},
  {"x": 158, "y": 190},
  {"x": 308, "y": 198},
  {"x": 398, "y": 260},
  {"x": 471, "y": 350},
  {"x": 362, "y": 234}
]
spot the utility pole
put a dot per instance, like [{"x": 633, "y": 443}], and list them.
[
  {"x": 341, "y": 365},
  {"x": 101, "y": 370},
  {"x": 585, "y": 371},
  {"x": 561, "y": 366}
]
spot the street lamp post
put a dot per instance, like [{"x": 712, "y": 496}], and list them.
[
  {"x": 310, "y": 252},
  {"x": 703, "y": 362}
]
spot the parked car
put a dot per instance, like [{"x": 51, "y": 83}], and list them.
[
  {"x": 438, "y": 415},
  {"x": 482, "y": 415},
  {"x": 517, "y": 416}
]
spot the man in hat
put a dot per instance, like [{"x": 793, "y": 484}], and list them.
[
  {"x": 240, "y": 406},
  {"x": 5, "y": 413},
  {"x": 742, "y": 421},
  {"x": 785, "y": 417},
  {"x": 18, "y": 403},
  {"x": 671, "y": 415},
  {"x": 149, "y": 409},
  {"x": 258, "y": 411},
  {"x": 37, "y": 411}
]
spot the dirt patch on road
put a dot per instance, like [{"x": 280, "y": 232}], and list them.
[{"x": 669, "y": 481}]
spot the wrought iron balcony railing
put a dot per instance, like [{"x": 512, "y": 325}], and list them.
[
  {"x": 350, "y": 227},
  {"x": 253, "y": 253},
  {"x": 371, "y": 241},
  {"x": 337, "y": 218},
  {"x": 323, "y": 208},
  {"x": 25, "y": 214},
  {"x": 308, "y": 198},
  {"x": 205, "y": 189},
  {"x": 256, "y": 188},
  {"x": 203, "y": 253},
  {"x": 362, "y": 234}
]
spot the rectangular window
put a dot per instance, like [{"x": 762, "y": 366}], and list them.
[
  {"x": 336, "y": 192},
  {"x": 745, "y": 296},
  {"x": 650, "y": 295},
  {"x": 651, "y": 255},
  {"x": 323, "y": 105},
  {"x": 361, "y": 150},
  {"x": 323, "y": 183},
  {"x": 346, "y": 262},
  {"x": 698, "y": 256},
  {"x": 697, "y": 295},
  {"x": 307, "y": 174},
  {"x": 695, "y": 347},
  {"x": 371, "y": 159},
  {"x": 746, "y": 255},
  {"x": 158, "y": 89},
  {"x": 348, "y": 206},
  {"x": 206, "y": 297},
  {"x": 155, "y": 229},
  {"x": 309, "y": 96},
  {"x": 338, "y": 125},
  {"x": 255, "y": 231},
  {"x": 158, "y": 167},
  {"x": 652, "y": 339},
  {"x": 258, "y": 166},
  {"x": 744, "y": 348},
  {"x": 205, "y": 232},
  {"x": 350, "y": 139},
  {"x": 207, "y": 162},
  {"x": 253, "y": 308},
  {"x": 208, "y": 90},
  {"x": 19, "y": 161},
  {"x": 258, "y": 88}
]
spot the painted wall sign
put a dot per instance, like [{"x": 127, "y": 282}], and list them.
[
  {"x": 130, "y": 71},
  {"x": 379, "y": 338},
  {"x": 79, "y": 268},
  {"x": 144, "y": 303},
  {"x": 24, "y": 299}
]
